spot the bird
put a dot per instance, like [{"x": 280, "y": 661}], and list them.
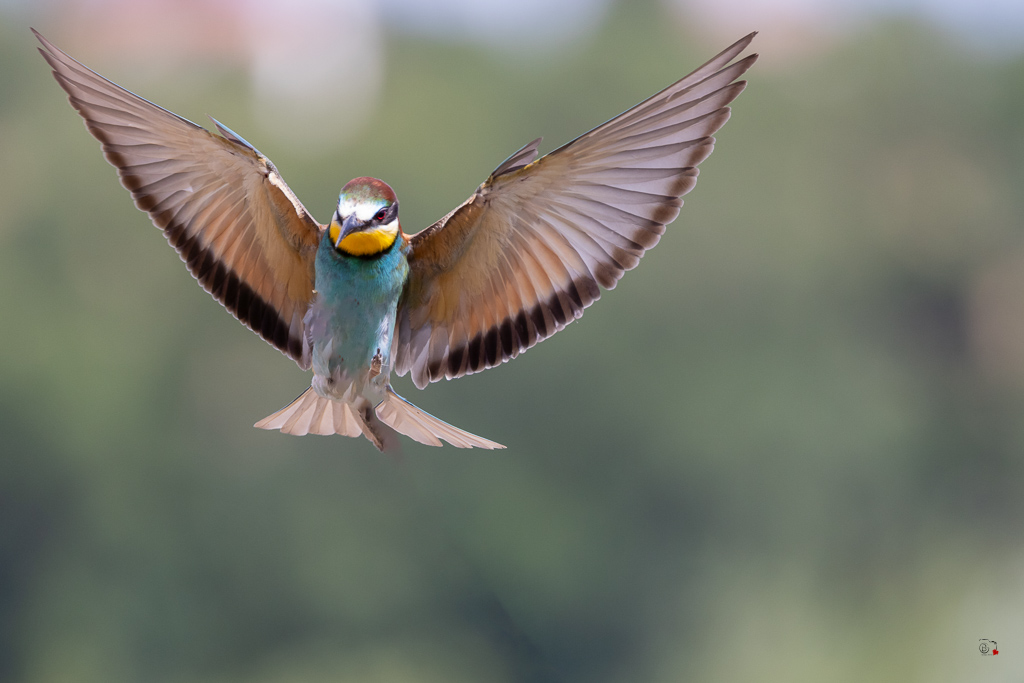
[{"x": 358, "y": 299}]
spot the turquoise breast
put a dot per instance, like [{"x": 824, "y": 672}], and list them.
[{"x": 353, "y": 316}]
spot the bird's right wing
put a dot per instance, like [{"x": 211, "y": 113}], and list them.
[
  {"x": 523, "y": 256},
  {"x": 222, "y": 205}
]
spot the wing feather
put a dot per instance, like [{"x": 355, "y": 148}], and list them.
[
  {"x": 532, "y": 248},
  {"x": 221, "y": 204}
]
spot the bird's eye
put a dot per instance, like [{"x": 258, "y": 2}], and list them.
[{"x": 381, "y": 214}]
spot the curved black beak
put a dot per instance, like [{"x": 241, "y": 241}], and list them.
[{"x": 350, "y": 225}]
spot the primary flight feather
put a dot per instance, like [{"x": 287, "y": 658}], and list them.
[{"x": 358, "y": 298}]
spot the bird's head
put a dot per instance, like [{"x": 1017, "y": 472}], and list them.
[{"x": 366, "y": 221}]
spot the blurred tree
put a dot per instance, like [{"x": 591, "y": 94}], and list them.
[{"x": 788, "y": 440}]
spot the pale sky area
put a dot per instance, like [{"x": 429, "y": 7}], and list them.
[
  {"x": 992, "y": 25},
  {"x": 543, "y": 21},
  {"x": 978, "y": 21},
  {"x": 281, "y": 44}
]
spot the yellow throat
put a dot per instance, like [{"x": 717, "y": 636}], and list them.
[{"x": 365, "y": 242}]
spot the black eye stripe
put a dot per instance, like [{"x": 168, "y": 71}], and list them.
[{"x": 389, "y": 214}]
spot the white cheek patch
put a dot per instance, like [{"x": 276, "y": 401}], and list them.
[{"x": 363, "y": 211}]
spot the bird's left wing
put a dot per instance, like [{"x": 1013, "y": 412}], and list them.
[
  {"x": 526, "y": 253},
  {"x": 240, "y": 230}
]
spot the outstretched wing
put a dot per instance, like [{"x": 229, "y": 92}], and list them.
[
  {"x": 221, "y": 204},
  {"x": 525, "y": 254}
]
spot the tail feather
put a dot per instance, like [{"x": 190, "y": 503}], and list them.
[
  {"x": 417, "y": 424},
  {"x": 313, "y": 414}
]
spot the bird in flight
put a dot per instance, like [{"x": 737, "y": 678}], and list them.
[{"x": 358, "y": 298}]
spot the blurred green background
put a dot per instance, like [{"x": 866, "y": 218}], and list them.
[{"x": 788, "y": 447}]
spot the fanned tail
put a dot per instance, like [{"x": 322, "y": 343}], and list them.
[
  {"x": 404, "y": 417},
  {"x": 311, "y": 413}
]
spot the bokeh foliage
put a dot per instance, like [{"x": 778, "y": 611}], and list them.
[{"x": 781, "y": 450}]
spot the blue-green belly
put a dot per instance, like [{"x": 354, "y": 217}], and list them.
[{"x": 352, "y": 318}]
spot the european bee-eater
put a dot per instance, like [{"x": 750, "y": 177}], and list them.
[{"x": 358, "y": 298}]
